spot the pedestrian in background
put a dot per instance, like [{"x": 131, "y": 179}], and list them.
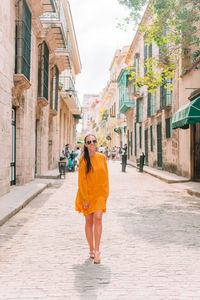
[{"x": 93, "y": 191}]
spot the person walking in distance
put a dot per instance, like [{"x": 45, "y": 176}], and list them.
[{"x": 93, "y": 191}]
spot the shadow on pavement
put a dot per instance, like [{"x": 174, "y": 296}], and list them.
[
  {"x": 89, "y": 278},
  {"x": 18, "y": 221},
  {"x": 164, "y": 224}
]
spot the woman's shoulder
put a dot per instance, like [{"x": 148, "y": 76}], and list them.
[
  {"x": 81, "y": 161},
  {"x": 101, "y": 155}
]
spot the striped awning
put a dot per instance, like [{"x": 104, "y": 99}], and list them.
[{"x": 187, "y": 114}]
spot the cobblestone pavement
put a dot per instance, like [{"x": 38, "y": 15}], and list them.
[{"x": 150, "y": 244}]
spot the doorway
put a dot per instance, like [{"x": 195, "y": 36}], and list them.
[
  {"x": 159, "y": 145},
  {"x": 196, "y": 151},
  {"x": 13, "y": 148}
]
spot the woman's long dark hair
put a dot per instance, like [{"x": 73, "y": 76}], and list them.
[{"x": 86, "y": 155}]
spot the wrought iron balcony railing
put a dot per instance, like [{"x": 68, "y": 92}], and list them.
[
  {"x": 68, "y": 86},
  {"x": 56, "y": 21}
]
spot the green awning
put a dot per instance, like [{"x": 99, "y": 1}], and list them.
[
  {"x": 118, "y": 130},
  {"x": 103, "y": 123},
  {"x": 187, "y": 114}
]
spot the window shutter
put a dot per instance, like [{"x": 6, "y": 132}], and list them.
[
  {"x": 151, "y": 134},
  {"x": 149, "y": 105},
  {"x": 135, "y": 132},
  {"x": 168, "y": 127},
  {"x": 150, "y": 50},
  {"x": 135, "y": 70},
  {"x": 140, "y": 136},
  {"x": 137, "y": 110},
  {"x": 145, "y": 56}
]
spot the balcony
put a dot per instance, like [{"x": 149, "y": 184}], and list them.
[
  {"x": 49, "y": 6},
  {"x": 56, "y": 32},
  {"x": 125, "y": 102},
  {"x": 70, "y": 96}
]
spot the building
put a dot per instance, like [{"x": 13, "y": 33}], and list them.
[
  {"x": 39, "y": 47},
  {"x": 88, "y": 100},
  {"x": 151, "y": 117}
]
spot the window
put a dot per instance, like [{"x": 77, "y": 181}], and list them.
[
  {"x": 139, "y": 108},
  {"x": 136, "y": 70},
  {"x": 168, "y": 128},
  {"x": 150, "y": 105},
  {"x": 130, "y": 90},
  {"x": 151, "y": 136},
  {"x": 43, "y": 70},
  {"x": 54, "y": 88},
  {"x": 131, "y": 143},
  {"x": 147, "y": 54},
  {"x": 165, "y": 94},
  {"x": 23, "y": 40},
  {"x": 140, "y": 136},
  {"x": 135, "y": 131}
]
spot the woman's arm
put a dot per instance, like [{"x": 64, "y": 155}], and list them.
[
  {"x": 82, "y": 182},
  {"x": 107, "y": 177}
]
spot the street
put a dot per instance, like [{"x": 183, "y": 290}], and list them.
[{"x": 150, "y": 244}]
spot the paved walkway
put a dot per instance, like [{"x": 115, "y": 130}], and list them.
[{"x": 150, "y": 244}]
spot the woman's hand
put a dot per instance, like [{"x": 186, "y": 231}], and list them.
[{"x": 85, "y": 205}]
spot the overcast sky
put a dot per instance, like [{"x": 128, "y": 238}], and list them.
[{"x": 98, "y": 37}]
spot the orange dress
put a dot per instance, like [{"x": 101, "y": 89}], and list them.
[{"x": 93, "y": 188}]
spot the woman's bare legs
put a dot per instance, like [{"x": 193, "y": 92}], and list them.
[
  {"x": 89, "y": 230},
  {"x": 97, "y": 220}
]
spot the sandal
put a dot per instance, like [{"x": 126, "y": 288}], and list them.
[
  {"x": 97, "y": 258},
  {"x": 92, "y": 254}
]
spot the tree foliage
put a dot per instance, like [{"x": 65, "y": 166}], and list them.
[
  {"x": 103, "y": 114},
  {"x": 174, "y": 28},
  {"x": 101, "y": 141}
]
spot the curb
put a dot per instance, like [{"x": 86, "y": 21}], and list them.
[
  {"x": 193, "y": 193},
  {"x": 170, "y": 181},
  {"x": 21, "y": 206}
]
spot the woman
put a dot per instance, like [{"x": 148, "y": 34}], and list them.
[{"x": 93, "y": 190}]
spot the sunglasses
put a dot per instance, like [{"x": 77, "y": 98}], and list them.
[{"x": 90, "y": 142}]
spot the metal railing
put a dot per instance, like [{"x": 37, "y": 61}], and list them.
[
  {"x": 56, "y": 17},
  {"x": 68, "y": 86}
]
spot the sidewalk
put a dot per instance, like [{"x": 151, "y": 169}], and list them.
[
  {"x": 193, "y": 188},
  {"x": 50, "y": 174},
  {"x": 19, "y": 197}
]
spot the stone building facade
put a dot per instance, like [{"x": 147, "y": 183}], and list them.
[
  {"x": 155, "y": 121},
  {"x": 113, "y": 125},
  {"x": 87, "y": 113},
  {"x": 40, "y": 44}
]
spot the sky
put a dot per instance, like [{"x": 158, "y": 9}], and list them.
[{"x": 98, "y": 37}]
